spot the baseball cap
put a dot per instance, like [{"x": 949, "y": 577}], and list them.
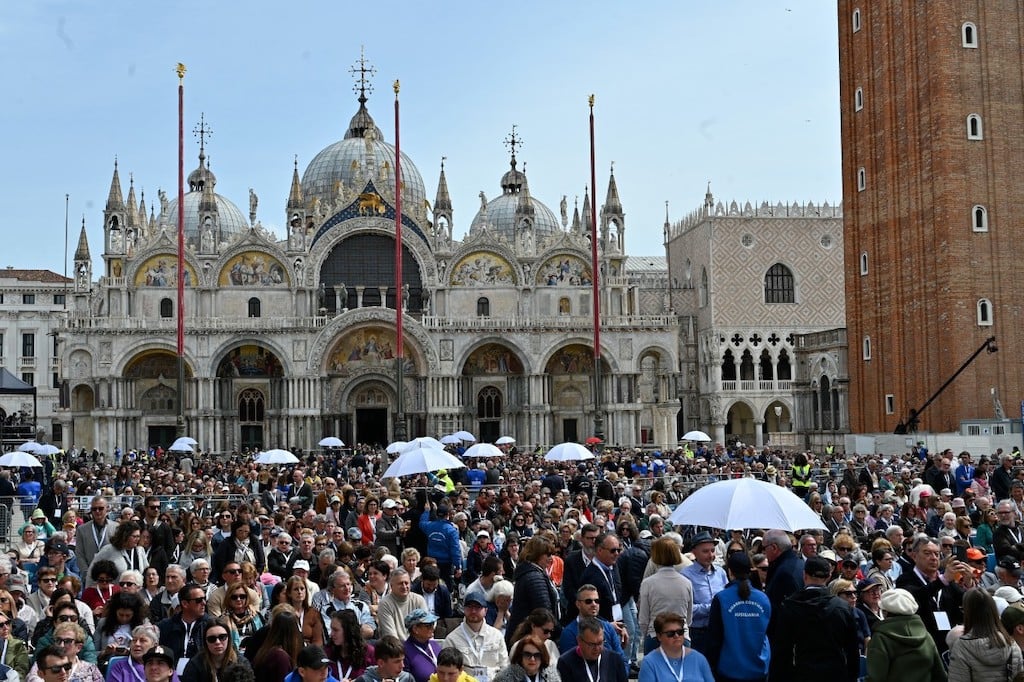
[
  {"x": 484, "y": 534},
  {"x": 56, "y": 545},
  {"x": 1011, "y": 594},
  {"x": 419, "y": 617},
  {"x": 1012, "y": 616},
  {"x": 389, "y": 504},
  {"x": 475, "y": 597},
  {"x": 300, "y": 565},
  {"x": 646, "y": 535},
  {"x": 828, "y": 555},
  {"x": 17, "y": 583},
  {"x": 867, "y": 584},
  {"x": 159, "y": 653},
  {"x": 313, "y": 657},
  {"x": 1008, "y": 563},
  {"x": 355, "y": 534},
  {"x": 975, "y": 554}
]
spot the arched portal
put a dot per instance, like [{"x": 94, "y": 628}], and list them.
[
  {"x": 493, "y": 374},
  {"x": 740, "y": 424},
  {"x": 151, "y": 374},
  {"x": 570, "y": 372},
  {"x": 361, "y": 268},
  {"x": 248, "y": 390}
]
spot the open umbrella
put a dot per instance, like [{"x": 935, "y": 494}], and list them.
[
  {"x": 742, "y": 503},
  {"x": 30, "y": 446},
  {"x": 593, "y": 440},
  {"x": 451, "y": 439},
  {"x": 276, "y": 457},
  {"x": 505, "y": 440},
  {"x": 568, "y": 452},
  {"x": 46, "y": 449},
  {"x": 424, "y": 441},
  {"x": 183, "y": 444},
  {"x": 698, "y": 436},
  {"x": 483, "y": 450},
  {"x": 397, "y": 447},
  {"x": 421, "y": 459},
  {"x": 19, "y": 458},
  {"x": 331, "y": 442},
  {"x": 465, "y": 435}
]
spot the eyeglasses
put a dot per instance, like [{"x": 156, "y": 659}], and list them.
[
  {"x": 672, "y": 633},
  {"x": 98, "y": 509},
  {"x": 47, "y": 580},
  {"x": 844, "y": 549},
  {"x": 213, "y": 639},
  {"x": 761, "y": 568},
  {"x": 239, "y": 597},
  {"x": 590, "y": 601},
  {"x": 233, "y": 571},
  {"x": 67, "y": 619},
  {"x": 154, "y": 506},
  {"x": 58, "y": 669},
  {"x": 66, "y": 641},
  {"x": 532, "y": 655},
  {"x": 614, "y": 550},
  {"x": 195, "y": 599},
  {"x": 127, "y": 584},
  {"x": 5, "y": 623},
  {"x": 848, "y": 593},
  {"x": 595, "y": 645}
]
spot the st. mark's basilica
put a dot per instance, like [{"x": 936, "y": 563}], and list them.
[{"x": 290, "y": 339}]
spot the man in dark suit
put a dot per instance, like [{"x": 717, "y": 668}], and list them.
[
  {"x": 589, "y": 659},
  {"x": 939, "y": 600},
  {"x": 575, "y": 564},
  {"x": 939, "y": 475},
  {"x": 603, "y": 574},
  {"x": 300, "y": 489},
  {"x": 434, "y": 592}
]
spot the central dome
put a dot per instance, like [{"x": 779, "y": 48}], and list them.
[
  {"x": 360, "y": 157},
  {"x": 506, "y": 213},
  {"x": 229, "y": 217}
]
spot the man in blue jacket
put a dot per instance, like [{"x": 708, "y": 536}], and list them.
[{"x": 442, "y": 542}]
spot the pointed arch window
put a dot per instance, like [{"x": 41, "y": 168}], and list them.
[
  {"x": 488, "y": 404},
  {"x": 251, "y": 406},
  {"x": 974, "y": 128},
  {"x": 778, "y": 285},
  {"x": 984, "y": 312},
  {"x": 166, "y": 307},
  {"x": 979, "y": 218},
  {"x": 483, "y": 307},
  {"x": 969, "y": 35}
]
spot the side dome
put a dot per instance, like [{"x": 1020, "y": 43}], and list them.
[
  {"x": 355, "y": 160},
  {"x": 230, "y": 219},
  {"x": 502, "y": 217}
]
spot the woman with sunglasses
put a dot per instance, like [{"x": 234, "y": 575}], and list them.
[
  {"x": 130, "y": 667},
  {"x": 125, "y": 612},
  {"x": 530, "y": 661},
  {"x": 64, "y": 613},
  {"x": 104, "y": 574},
  {"x": 239, "y": 613},
  {"x": 217, "y": 655},
  {"x": 673, "y": 660},
  {"x": 540, "y": 625}
]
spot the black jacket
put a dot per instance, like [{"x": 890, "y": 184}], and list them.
[
  {"x": 631, "y": 565},
  {"x": 950, "y": 597},
  {"x": 1008, "y": 541},
  {"x": 572, "y": 578},
  {"x": 595, "y": 575},
  {"x": 533, "y": 590},
  {"x": 571, "y": 667},
  {"x": 817, "y": 639}
]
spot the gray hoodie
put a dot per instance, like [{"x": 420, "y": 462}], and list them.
[
  {"x": 973, "y": 659},
  {"x": 372, "y": 674}
]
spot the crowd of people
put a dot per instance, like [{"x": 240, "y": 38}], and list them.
[{"x": 163, "y": 566}]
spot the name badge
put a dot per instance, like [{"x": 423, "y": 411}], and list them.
[
  {"x": 617, "y": 612},
  {"x": 942, "y": 621},
  {"x": 180, "y": 668}
]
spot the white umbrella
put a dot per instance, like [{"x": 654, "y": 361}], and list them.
[
  {"x": 426, "y": 441},
  {"x": 182, "y": 445},
  {"x": 568, "y": 452},
  {"x": 46, "y": 449},
  {"x": 451, "y": 439},
  {"x": 276, "y": 457},
  {"x": 397, "y": 447},
  {"x": 483, "y": 450},
  {"x": 331, "y": 442},
  {"x": 30, "y": 446},
  {"x": 419, "y": 460},
  {"x": 742, "y": 503},
  {"x": 465, "y": 435},
  {"x": 698, "y": 436},
  {"x": 19, "y": 458},
  {"x": 505, "y": 440},
  {"x": 189, "y": 440}
]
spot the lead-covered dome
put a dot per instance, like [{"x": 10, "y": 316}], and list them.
[
  {"x": 229, "y": 217},
  {"x": 360, "y": 157},
  {"x": 508, "y": 213}
]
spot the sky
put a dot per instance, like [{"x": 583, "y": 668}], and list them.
[{"x": 741, "y": 94}]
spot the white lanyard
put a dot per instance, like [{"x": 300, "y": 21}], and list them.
[
  {"x": 590, "y": 675},
  {"x": 102, "y": 536},
  {"x": 3, "y": 654},
  {"x": 428, "y": 652},
  {"x": 342, "y": 675},
  {"x": 477, "y": 652},
  {"x": 668, "y": 662},
  {"x": 135, "y": 672},
  {"x": 188, "y": 638},
  {"x": 608, "y": 578}
]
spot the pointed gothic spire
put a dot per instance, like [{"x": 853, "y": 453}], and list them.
[
  {"x": 709, "y": 199},
  {"x": 142, "y": 206},
  {"x": 586, "y": 209},
  {"x": 115, "y": 201},
  {"x": 442, "y": 201},
  {"x": 576, "y": 225},
  {"x": 82, "y": 252},
  {"x": 611, "y": 202},
  {"x": 295, "y": 193},
  {"x": 666, "y": 215},
  {"x": 132, "y": 217}
]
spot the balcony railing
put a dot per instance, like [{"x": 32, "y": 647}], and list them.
[
  {"x": 27, "y": 361},
  {"x": 758, "y": 386}
]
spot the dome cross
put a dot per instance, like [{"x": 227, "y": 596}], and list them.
[
  {"x": 511, "y": 142},
  {"x": 362, "y": 71}
]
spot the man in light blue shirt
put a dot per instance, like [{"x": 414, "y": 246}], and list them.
[{"x": 708, "y": 580}]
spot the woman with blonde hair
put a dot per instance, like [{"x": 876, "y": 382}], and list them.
[
  {"x": 197, "y": 546},
  {"x": 310, "y": 624},
  {"x": 667, "y": 591}
]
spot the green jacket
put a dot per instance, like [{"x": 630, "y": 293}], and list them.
[
  {"x": 17, "y": 657},
  {"x": 901, "y": 649}
]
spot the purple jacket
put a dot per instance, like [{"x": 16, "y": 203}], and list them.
[{"x": 417, "y": 662}]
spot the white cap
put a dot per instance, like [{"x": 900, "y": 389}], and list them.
[
  {"x": 389, "y": 504},
  {"x": 301, "y": 565}
]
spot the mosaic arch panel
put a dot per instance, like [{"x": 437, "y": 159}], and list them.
[
  {"x": 482, "y": 269},
  {"x": 368, "y": 349},
  {"x": 253, "y": 269},
  {"x": 565, "y": 271},
  {"x": 572, "y": 359},
  {"x": 154, "y": 364},
  {"x": 492, "y": 358},
  {"x": 161, "y": 271},
  {"x": 250, "y": 360}
]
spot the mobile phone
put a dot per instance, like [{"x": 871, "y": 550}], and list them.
[{"x": 960, "y": 552}]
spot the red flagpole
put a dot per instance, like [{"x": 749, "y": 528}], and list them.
[
  {"x": 399, "y": 345},
  {"x": 598, "y": 416},
  {"x": 181, "y": 248}
]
